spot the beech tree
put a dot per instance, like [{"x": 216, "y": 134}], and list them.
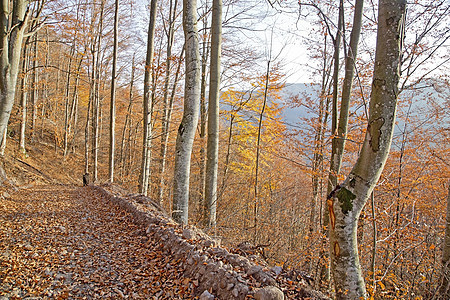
[
  {"x": 113, "y": 95},
  {"x": 212, "y": 151},
  {"x": 147, "y": 137},
  {"x": 346, "y": 201},
  {"x": 13, "y": 24},
  {"x": 186, "y": 130}
]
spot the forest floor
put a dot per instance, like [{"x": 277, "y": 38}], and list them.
[{"x": 66, "y": 242}]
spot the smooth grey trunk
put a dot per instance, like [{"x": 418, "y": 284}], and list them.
[
  {"x": 112, "y": 109},
  {"x": 445, "y": 283},
  {"x": 336, "y": 58},
  {"x": 338, "y": 143},
  {"x": 212, "y": 151},
  {"x": 186, "y": 130},
  {"x": 347, "y": 200},
  {"x": 13, "y": 24},
  {"x": 96, "y": 102},
  {"x": 202, "y": 207},
  {"x": 3, "y": 143},
  {"x": 147, "y": 103}
]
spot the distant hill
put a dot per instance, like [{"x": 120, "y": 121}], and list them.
[{"x": 424, "y": 96}]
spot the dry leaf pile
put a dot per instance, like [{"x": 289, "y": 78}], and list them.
[{"x": 61, "y": 242}]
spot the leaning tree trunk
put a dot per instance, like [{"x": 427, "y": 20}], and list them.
[
  {"x": 347, "y": 200},
  {"x": 186, "y": 130},
  {"x": 12, "y": 27},
  {"x": 212, "y": 151}
]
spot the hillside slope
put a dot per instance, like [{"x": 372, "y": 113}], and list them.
[{"x": 61, "y": 240}]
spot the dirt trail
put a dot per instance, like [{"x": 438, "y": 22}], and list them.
[{"x": 66, "y": 242}]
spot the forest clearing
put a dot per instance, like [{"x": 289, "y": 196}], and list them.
[{"x": 334, "y": 186}]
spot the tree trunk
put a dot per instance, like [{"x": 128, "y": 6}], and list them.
[
  {"x": 186, "y": 130},
  {"x": 34, "y": 83},
  {"x": 202, "y": 207},
  {"x": 213, "y": 115},
  {"x": 96, "y": 103},
  {"x": 338, "y": 143},
  {"x": 66, "y": 96},
  {"x": 112, "y": 116},
  {"x": 325, "y": 272},
  {"x": 12, "y": 27},
  {"x": 147, "y": 137},
  {"x": 347, "y": 200},
  {"x": 258, "y": 145},
  {"x": 23, "y": 100}
]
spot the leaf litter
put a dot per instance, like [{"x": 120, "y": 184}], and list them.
[{"x": 63, "y": 242}]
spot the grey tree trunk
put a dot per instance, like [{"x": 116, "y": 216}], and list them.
[
  {"x": 202, "y": 207},
  {"x": 96, "y": 102},
  {"x": 347, "y": 200},
  {"x": 112, "y": 111},
  {"x": 186, "y": 130},
  {"x": 212, "y": 150},
  {"x": 13, "y": 24},
  {"x": 147, "y": 137},
  {"x": 445, "y": 284},
  {"x": 338, "y": 143}
]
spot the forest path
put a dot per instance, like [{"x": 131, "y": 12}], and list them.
[{"x": 68, "y": 242}]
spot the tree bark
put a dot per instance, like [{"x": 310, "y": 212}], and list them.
[
  {"x": 202, "y": 207},
  {"x": 112, "y": 111},
  {"x": 12, "y": 28},
  {"x": 338, "y": 143},
  {"x": 23, "y": 100},
  {"x": 186, "y": 130},
  {"x": 347, "y": 200},
  {"x": 212, "y": 151},
  {"x": 147, "y": 137}
]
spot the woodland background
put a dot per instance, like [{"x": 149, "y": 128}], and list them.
[{"x": 62, "y": 106}]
